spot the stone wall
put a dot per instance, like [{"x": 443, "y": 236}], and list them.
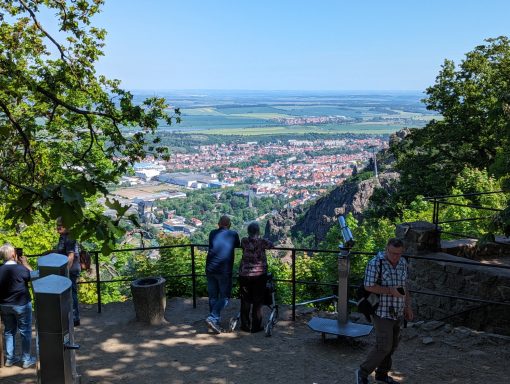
[
  {"x": 419, "y": 237},
  {"x": 461, "y": 280}
]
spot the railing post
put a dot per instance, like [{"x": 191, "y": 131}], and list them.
[
  {"x": 98, "y": 281},
  {"x": 293, "y": 285},
  {"x": 434, "y": 211},
  {"x": 193, "y": 276},
  {"x": 435, "y": 219},
  {"x": 343, "y": 286}
]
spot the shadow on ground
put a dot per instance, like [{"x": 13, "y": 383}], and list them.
[{"x": 116, "y": 349}]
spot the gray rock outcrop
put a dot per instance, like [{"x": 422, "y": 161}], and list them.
[{"x": 350, "y": 197}]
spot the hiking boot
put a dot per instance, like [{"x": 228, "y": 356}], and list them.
[
  {"x": 385, "y": 380},
  {"x": 213, "y": 325},
  {"x": 29, "y": 363},
  {"x": 359, "y": 378},
  {"x": 10, "y": 363}
]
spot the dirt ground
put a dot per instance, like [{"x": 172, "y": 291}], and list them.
[{"x": 117, "y": 349}]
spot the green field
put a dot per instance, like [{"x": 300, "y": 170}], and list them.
[
  {"x": 371, "y": 128},
  {"x": 245, "y": 113}
]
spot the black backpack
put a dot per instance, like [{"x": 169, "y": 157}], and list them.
[
  {"x": 368, "y": 301},
  {"x": 85, "y": 260}
]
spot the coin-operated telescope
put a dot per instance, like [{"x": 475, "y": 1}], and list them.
[
  {"x": 346, "y": 234},
  {"x": 342, "y": 326}
]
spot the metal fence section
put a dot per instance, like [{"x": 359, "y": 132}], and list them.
[
  {"x": 293, "y": 281},
  {"x": 440, "y": 202}
]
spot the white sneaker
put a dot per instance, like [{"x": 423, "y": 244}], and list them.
[
  {"x": 10, "y": 363},
  {"x": 29, "y": 363},
  {"x": 213, "y": 325}
]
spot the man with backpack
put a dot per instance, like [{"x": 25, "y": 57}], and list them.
[{"x": 386, "y": 275}]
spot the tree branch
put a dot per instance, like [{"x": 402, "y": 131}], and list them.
[
  {"x": 70, "y": 107},
  {"x": 92, "y": 138},
  {"x": 10, "y": 182},
  {"x": 39, "y": 26},
  {"x": 23, "y": 136}
]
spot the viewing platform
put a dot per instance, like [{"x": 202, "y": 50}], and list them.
[{"x": 117, "y": 349}]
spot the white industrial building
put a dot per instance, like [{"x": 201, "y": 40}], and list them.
[{"x": 190, "y": 180}]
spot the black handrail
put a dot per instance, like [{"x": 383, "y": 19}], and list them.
[
  {"x": 465, "y": 194},
  {"x": 440, "y": 200},
  {"x": 470, "y": 206},
  {"x": 194, "y": 275},
  {"x": 293, "y": 281}
]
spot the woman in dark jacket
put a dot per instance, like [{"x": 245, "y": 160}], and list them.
[{"x": 252, "y": 278}]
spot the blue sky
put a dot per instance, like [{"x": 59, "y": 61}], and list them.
[{"x": 292, "y": 44}]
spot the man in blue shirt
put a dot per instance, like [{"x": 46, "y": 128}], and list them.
[
  {"x": 386, "y": 275},
  {"x": 218, "y": 269},
  {"x": 16, "y": 306}
]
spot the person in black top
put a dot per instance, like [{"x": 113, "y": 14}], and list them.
[
  {"x": 69, "y": 247},
  {"x": 16, "y": 306},
  {"x": 218, "y": 269},
  {"x": 253, "y": 278}
]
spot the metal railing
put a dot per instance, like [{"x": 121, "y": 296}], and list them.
[
  {"x": 445, "y": 200},
  {"x": 193, "y": 275}
]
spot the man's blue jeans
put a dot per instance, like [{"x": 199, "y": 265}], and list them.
[
  {"x": 73, "y": 276},
  {"x": 219, "y": 287},
  {"x": 17, "y": 317}
]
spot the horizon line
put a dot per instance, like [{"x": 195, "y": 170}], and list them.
[{"x": 272, "y": 90}]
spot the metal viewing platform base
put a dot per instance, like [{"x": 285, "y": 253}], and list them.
[
  {"x": 341, "y": 326},
  {"x": 334, "y": 327}
]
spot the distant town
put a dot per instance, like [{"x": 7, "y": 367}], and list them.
[{"x": 295, "y": 170}]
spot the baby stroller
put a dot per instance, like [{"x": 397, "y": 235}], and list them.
[{"x": 269, "y": 301}]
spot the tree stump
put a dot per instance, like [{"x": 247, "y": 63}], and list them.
[{"x": 149, "y": 299}]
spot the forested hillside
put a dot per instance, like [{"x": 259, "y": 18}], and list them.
[{"x": 467, "y": 151}]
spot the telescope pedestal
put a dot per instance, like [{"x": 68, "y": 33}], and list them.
[{"x": 341, "y": 326}]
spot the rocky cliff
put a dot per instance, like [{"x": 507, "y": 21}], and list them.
[{"x": 352, "y": 196}]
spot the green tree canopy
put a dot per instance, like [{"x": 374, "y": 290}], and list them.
[
  {"x": 65, "y": 128},
  {"x": 474, "y": 101}
]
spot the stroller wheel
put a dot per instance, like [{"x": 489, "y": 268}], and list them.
[
  {"x": 269, "y": 329},
  {"x": 232, "y": 324}
]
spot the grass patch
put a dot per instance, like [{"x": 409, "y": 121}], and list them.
[{"x": 302, "y": 129}]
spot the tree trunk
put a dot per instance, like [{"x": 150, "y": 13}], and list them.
[{"x": 149, "y": 299}]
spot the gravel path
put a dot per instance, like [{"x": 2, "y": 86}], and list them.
[{"x": 116, "y": 349}]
